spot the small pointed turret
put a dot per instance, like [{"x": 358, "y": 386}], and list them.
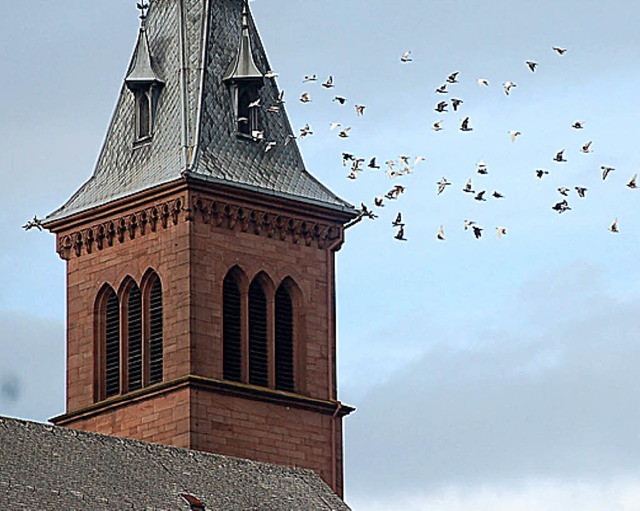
[
  {"x": 243, "y": 68},
  {"x": 141, "y": 75}
]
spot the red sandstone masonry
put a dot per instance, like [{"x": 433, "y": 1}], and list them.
[{"x": 192, "y": 255}]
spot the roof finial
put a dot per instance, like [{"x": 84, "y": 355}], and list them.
[
  {"x": 143, "y": 7},
  {"x": 245, "y": 14}
]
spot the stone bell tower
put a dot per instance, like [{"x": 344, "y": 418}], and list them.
[{"x": 200, "y": 257}]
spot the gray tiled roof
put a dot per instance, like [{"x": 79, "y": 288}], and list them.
[
  {"x": 53, "y": 468},
  {"x": 194, "y": 124}
]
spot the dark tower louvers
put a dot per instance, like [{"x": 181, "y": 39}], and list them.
[{"x": 200, "y": 265}]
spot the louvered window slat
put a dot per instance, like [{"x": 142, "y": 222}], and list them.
[
  {"x": 135, "y": 338},
  {"x": 112, "y": 346},
  {"x": 155, "y": 334},
  {"x": 284, "y": 341},
  {"x": 258, "y": 358},
  {"x": 232, "y": 330}
]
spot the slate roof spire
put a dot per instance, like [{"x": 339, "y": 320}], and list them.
[
  {"x": 141, "y": 73},
  {"x": 193, "y": 45},
  {"x": 244, "y": 67}
]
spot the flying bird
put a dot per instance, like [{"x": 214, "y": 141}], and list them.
[
  {"x": 468, "y": 188},
  {"x": 606, "y": 171},
  {"x": 513, "y": 135},
  {"x": 372, "y": 164},
  {"x": 483, "y": 82},
  {"x": 632, "y": 184},
  {"x": 442, "y": 89},
  {"x": 540, "y": 173},
  {"x": 564, "y": 191},
  {"x": 559, "y": 157},
  {"x": 455, "y": 103},
  {"x": 398, "y": 221},
  {"x": 406, "y": 57},
  {"x": 581, "y": 190},
  {"x": 360, "y": 109},
  {"x": 255, "y": 104},
  {"x": 561, "y": 206},
  {"x": 586, "y": 148},
  {"x": 36, "y": 223},
  {"x": 497, "y": 195},
  {"x": 305, "y": 131},
  {"x": 578, "y": 125},
  {"x": 453, "y": 77},
  {"x": 614, "y": 226},
  {"x": 477, "y": 231},
  {"x": 508, "y": 86},
  {"x": 442, "y": 185},
  {"x": 480, "y": 196},
  {"x": 441, "y": 107},
  {"x": 482, "y": 167},
  {"x": 400, "y": 234},
  {"x": 502, "y": 231},
  {"x": 334, "y": 125},
  {"x": 379, "y": 201},
  {"x": 340, "y": 99},
  {"x": 468, "y": 223},
  {"x": 532, "y": 65},
  {"x": 269, "y": 146},
  {"x": 306, "y": 97},
  {"x": 329, "y": 83},
  {"x": 440, "y": 234},
  {"x": 559, "y": 51},
  {"x": 465, "y": 125},
  {"x": 345, "y": 132},
  {"x": 270, "y": 74},
  {"x": 437, "y": 126},
  {"x": 366, "y": 212},
  {"x": 310, "y": 78}
]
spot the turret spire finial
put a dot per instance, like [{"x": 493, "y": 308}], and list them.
[
  {"x": 245, "y": 14},
  {"x": 143, "y": 7}
]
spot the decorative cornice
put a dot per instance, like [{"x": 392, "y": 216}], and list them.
[
  {"x": 283, "y": 227},
  {"x": 241, "y": 390},
  {"x": 127, "y": 227},
  {"x": 221, "y": 214}
]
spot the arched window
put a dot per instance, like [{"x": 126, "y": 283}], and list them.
[
  {"x": 155, "y": 333},
  {"x": 143, "y": 114},
  {"x": 258, "y": 336},
  {"x": 284, "y": 340},
  {"x": 111, "y": 345},
  {"x": 231, "y": 329},
  {"x": 134, "y": 329}
]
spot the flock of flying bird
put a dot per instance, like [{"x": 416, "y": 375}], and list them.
[{"x": 404, "y": 166}]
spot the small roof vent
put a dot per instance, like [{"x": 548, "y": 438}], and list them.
[{"x": 195, "y": 503}]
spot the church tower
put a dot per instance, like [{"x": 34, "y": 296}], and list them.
[{"x": 200, "y": 257}]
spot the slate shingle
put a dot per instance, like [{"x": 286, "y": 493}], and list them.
[
  {"x": 195, "y": 110},
  {"x": 53, "y": 468}
]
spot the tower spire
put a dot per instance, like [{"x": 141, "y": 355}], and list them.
[{"x": 141, "y": 74}]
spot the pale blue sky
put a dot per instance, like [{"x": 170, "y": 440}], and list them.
[{"x": 487, "y": 374}]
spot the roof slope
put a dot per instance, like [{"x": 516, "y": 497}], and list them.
[
  {"x": 192, "y": 43},
  {"x": 53, "y": 468}
]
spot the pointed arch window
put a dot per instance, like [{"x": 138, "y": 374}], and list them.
[
  {"x": 284, "y": 342},
  {"x": 111, "y": 345},
  {"x": 143, "y": 114},
  {"x": 156, "y": 343},
  {"x": 232, "y": 329},
  {"x": 129, "y": 342},
  {"x": 258, "y": 336}
]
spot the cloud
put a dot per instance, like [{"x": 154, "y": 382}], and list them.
[
  {"x": 621, "y": 494},
  {"x": 32, "y": 362},
  {"x": 546, "y": 393}
]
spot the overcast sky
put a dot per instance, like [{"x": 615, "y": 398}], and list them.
[{"x": 487, "y": 374}]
